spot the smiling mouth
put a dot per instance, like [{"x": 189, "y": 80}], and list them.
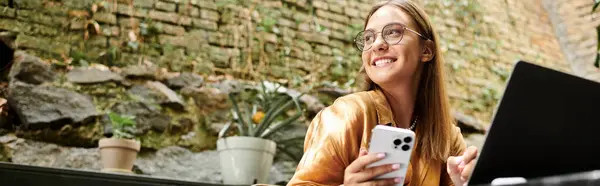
[{"x": 382, "y": 62}]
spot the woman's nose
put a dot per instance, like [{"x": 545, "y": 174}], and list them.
[{"x": 380, "y": 44}]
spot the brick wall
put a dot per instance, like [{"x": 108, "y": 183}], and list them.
[
  {"x": 302, "y": 41},
  {"x": 576, "y": 30}
]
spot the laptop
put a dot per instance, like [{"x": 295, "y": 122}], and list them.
[{"x": 547, "y": 123}]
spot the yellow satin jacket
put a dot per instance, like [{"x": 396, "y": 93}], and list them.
[{"x": 337, "y": 133}]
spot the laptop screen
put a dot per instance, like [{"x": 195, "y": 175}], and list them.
[{"x": 547, "y": 123}]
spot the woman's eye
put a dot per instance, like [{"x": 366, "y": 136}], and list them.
[{"x": 394, "y": 32}]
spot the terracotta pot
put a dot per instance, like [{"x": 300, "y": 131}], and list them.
[{"x": 118, "y": 155}]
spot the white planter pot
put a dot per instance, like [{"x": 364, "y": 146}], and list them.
[{"x": 245, "y": 160}]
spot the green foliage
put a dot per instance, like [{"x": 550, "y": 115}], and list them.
[
  {"x": 597, "y": 62},
  {"x": 352, "y": 30},
  {"x": 266, "y": 24},
  {"x": 123, "y": 126},
  {"x": 269, "y": 102}
]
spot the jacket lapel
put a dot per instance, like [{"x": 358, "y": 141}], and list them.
[{"x": 384, "y": 113}]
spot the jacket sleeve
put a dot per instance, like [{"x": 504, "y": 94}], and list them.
[
  {"x": 457, "y": 148},
  {"x": 330, "y": 145}
]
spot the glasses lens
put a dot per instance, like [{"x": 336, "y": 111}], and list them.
[
  {"x": 393, "y": 33},
  {"x": 364, "y": 40},
  {"x": 358, "y": 41}
]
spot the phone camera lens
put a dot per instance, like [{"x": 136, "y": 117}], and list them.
[
  {"x": 405, "y": 147},
  {"x": 407, "y": 139},
  {"x": 397, "y": 142}
]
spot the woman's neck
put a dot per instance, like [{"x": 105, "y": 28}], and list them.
[{"x": 401, "y": 99}]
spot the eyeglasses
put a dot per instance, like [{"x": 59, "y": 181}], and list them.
[{"x": 392, "y": 34}]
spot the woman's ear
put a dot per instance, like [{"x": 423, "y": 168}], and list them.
[{"x": 428, "y": 51}]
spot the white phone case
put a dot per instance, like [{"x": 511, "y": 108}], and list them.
[{"x": 397, "y": 143}]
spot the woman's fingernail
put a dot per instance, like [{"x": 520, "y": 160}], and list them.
[
  {"x": 381, "y": 155},
  {"x": 397, "y": 180},
  {"x": 459, "y": 160},
  {"x": 396, "y": 166}
]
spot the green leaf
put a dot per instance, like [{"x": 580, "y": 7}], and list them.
[
  {"x": 224, "y": 130},
  {"x": 285, "y": 150},
  {"x": 597, "y": 62},
  {"x": 264, "y": 124},
  {"x": 279, "y": 125},
  {"x": 596, "y": 3},
  {"x": 240, "y": 117},
  {"x": 291, "y": 140},
  {"x": 251, "y": 126},
  {"x": 123, "y": 126},
  {"x": 287, "y": 121}
]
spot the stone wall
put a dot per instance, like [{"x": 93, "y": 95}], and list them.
[
  {"x": 300, "y": 42},
  {"x": 482, "y": 40},
  {"x": 576, "y": 30}
]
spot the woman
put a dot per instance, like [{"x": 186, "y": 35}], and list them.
[{"x": 402, "y": 66}]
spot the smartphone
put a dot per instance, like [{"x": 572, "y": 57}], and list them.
[{"x": 397, "y": 144}]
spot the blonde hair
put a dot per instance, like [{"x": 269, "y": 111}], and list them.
[{"x": 431, "y": 105}]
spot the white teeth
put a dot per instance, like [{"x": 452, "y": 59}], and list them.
[{"x": 382, "y": 61}]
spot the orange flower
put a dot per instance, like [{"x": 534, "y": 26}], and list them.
[{"x": 258, "y": 117}]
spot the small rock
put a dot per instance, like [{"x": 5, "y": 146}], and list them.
[
  {"x": 133, "y": 108},
  {"x": 157, "y": 122},
  {"x": 172, "y": 100},
  {"x": 154, "y": 92},
  {"x": 140, "y": 71},
  {"x": 230, "y": 86},
  {"x": 30, "y": 69},
  {"x": 185, "y": 79},
  {"x": 208, "y": 99},
  {"x": 46, "y": 106},
  {"x": 8, "y": 138},
  {"x": 92, "y": 75},
  {"x": 468, "y": 124},
  {"x": 146, "y": 94}
]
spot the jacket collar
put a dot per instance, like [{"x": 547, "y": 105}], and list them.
[{"x": 384, "y": 111}]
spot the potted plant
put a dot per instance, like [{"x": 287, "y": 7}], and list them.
[
  {"x": 246, "y": 157},
  {"x": 119, "y": 152}
]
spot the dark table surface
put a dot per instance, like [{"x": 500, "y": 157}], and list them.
[
  {"x": 25, "y": 175},
  {"x": 574, "y": 179}
]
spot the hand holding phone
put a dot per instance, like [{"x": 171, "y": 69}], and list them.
[{"x": 397, "y": 144}]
